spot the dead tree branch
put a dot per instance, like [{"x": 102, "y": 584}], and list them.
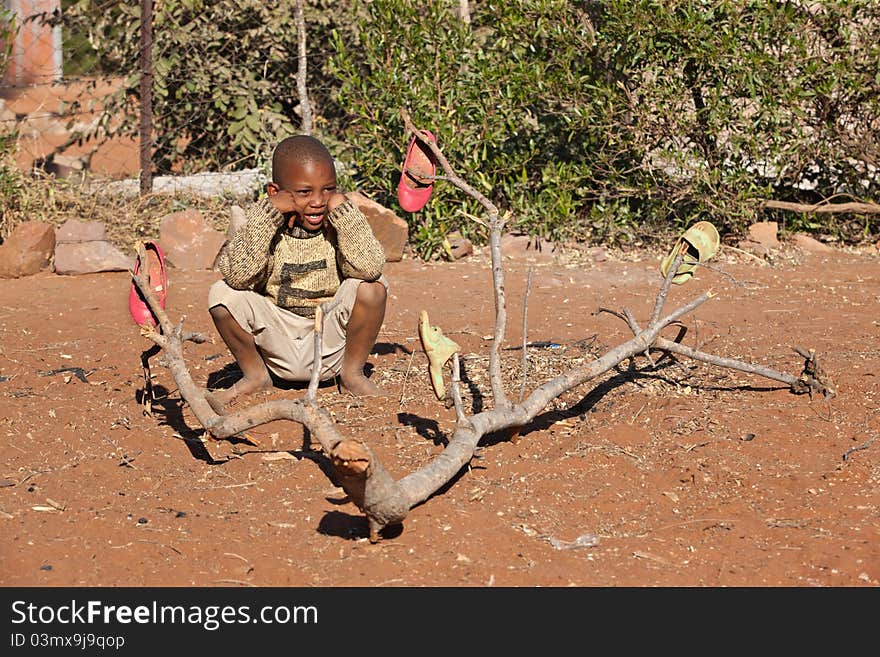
[
  {"x": 825, "y": 207},
  {"x": 302, "y": 90}
]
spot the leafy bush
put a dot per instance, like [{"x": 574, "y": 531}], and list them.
[
  {"x": 624, "y": 117},
  {"x": 603, "y": 122}
]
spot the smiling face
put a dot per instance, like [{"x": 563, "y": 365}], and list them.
[{"x": 310, "y": 183}]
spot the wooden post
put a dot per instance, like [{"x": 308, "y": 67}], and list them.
[{"x": 146, "y": 117}]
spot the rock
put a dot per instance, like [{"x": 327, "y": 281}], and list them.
[
  {"x": 597, "y": 253},
  {"x": 755, "y": 248},
  {"x": 75, "y": 258},
  {"x": 39, "y": 124},
  {"x": 16, "y": 264},
  {"x": 27, "y": 250},
  {"x": 82, "y": 248},
  {"x": 75, "y": 230},
  {"x": 65, "y": 166},
  {"x": 765, "y": 232},
  {"x": 391, "y": 231},
  {"x": 808, "y": 243},
  {"x": 459, "y": 246},
  {"x": 8, "y": 118},
  {"x": 535, "y": 248},
  {"x": 188, "y": 242},
  {"x": 238, "y": 184}
]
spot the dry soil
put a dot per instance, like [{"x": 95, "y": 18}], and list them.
[{"x": 678, "y": 474}]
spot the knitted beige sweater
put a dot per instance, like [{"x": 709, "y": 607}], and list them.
[{"x": 298, "y": 269}]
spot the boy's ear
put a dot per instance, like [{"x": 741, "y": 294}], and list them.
[{"x": 272, "y": 188}]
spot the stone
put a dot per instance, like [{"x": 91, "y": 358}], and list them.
[
  {"x": 597, "y": 253},
  {"x": 82, "y": 248},
  {"x": 524, "y": 246},
  {"x": 91, "y": 257},
  {"x": 34, "y": 236},
  {"x": 391, "y": 231},
  {"x": 765, "y": 232},
  {"x": 17, "y": 264},
  {"x": 27, "y": 250},
  {"x": 459, "y": 246},
  {"x": 755, "y": 248},
  {"x": 66, "y": 166},
  {"x": 8, "y": 119},
  {"x": 188, "y": 242},
  {"x": 74, "y": 230},
  {"x": 808, "y": 243}
]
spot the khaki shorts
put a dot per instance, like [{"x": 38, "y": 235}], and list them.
[{"x": 286, "y": 340}]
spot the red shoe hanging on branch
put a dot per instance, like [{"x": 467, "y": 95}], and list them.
[
  {"x": 417, "y": 175},
  {"x": 155, "y": 266}
]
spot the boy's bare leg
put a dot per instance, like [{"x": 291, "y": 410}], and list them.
[
  {"x": 255, "y": 376},
  {"x": 363, "y": 329}
]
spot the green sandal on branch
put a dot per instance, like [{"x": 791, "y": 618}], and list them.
[
  {"x": 439, "y": 349},
  {"x": 698, "y": 244}
]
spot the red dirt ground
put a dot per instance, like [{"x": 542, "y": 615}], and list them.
[{"x": 688, "y": 475}]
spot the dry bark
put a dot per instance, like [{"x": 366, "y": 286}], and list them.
[
  {"x": 385, "y": 501},
  {"x": 855, "y": 207},
  {"x": 305, "y": 105}
]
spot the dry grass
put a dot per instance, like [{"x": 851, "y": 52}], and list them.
[{"x": 41, "y": 197}]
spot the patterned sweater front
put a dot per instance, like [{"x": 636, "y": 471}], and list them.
[{"x": 299, "y": 270}]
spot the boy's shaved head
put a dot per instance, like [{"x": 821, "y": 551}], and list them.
[{"x": 298, "y": 148}]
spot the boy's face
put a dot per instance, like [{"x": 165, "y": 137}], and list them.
[{"x": 310, "y": 185}]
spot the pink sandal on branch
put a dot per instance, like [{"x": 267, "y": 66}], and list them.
[
  {"x": 416, "y": 177},
  {"x": 155, "y": 266}
]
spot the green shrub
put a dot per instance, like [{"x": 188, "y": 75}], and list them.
[
  {"x": 610, "y": 120},
  {"x": 602, "y": 122}
]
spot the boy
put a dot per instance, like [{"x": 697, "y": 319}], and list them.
[{"x": 303, "y": 245}]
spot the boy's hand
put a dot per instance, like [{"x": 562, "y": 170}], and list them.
[
  {"x": 283, "y": 201},
  {"x": 337, "y": 199}
]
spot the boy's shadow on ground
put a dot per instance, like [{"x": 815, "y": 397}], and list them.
[{"x": 230, "y": 373}]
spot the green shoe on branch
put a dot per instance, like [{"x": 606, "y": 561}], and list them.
[
  {"x": 439, "y": 349},
  {"x": 698, "y": 244}
]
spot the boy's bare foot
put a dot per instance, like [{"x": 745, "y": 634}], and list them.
[
  {"x": 358, "y": 385},
  {"x": 219, "y": 398},
  {"x": 216, "y": 404}
]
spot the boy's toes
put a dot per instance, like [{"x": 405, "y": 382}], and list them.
[
  {"x": 218, "y": 406},
  {"x": 360, "y": 386}
]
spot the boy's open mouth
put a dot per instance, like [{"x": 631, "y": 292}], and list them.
[{"x": 313, "y": 220}]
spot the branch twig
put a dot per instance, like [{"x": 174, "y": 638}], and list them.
[{"x": 525, "y": 328}]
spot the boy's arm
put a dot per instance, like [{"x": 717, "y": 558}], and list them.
[
  {"x": 244, "y": 261},
  {"x": 360, "y": 254}
]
